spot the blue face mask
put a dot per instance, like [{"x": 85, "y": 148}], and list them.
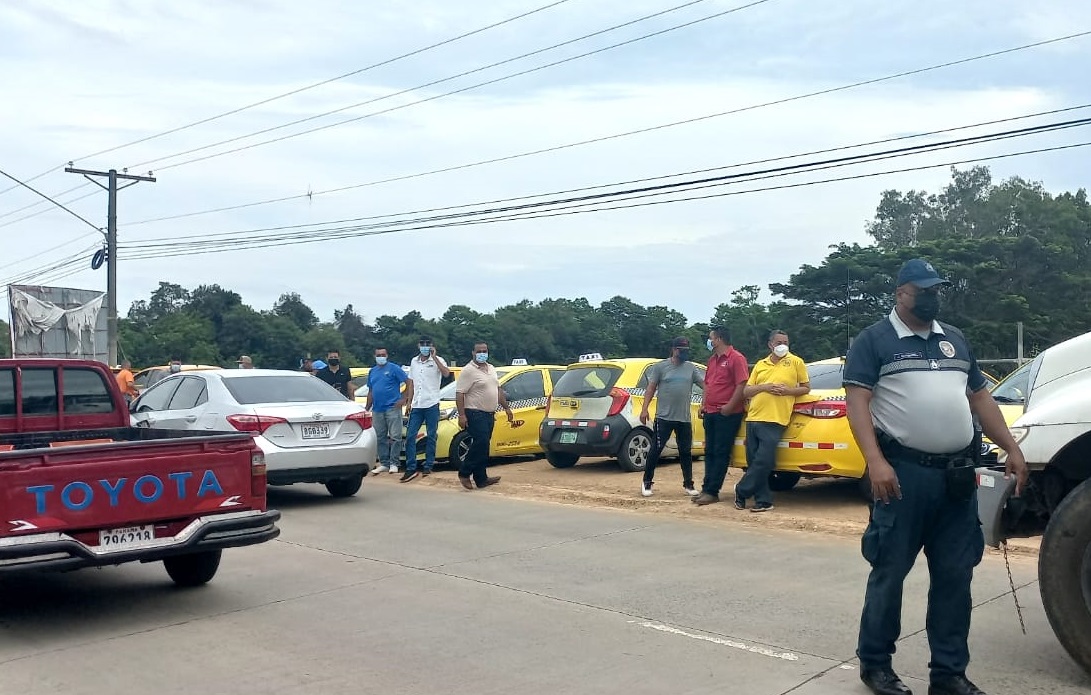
[
  {"x": 482, "y": 357},
  {"x": 380, "y": 361},
  {"x": 708, "y": 344},
  {"x": 426, "y": 350}
]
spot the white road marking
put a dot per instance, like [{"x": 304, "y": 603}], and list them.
[{"x": 753, "y": 649}]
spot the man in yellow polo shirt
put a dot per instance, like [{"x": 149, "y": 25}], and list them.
[{"x": 772, "y": 389}]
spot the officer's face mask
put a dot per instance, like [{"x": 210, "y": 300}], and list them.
[{"x": 926, "y": 306}]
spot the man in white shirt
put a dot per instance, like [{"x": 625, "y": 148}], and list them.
[{"x": 426, "y": 371}]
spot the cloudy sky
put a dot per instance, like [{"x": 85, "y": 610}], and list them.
[{"x": 81, "y": 78}]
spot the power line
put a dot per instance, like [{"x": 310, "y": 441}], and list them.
[
  {"x": 37, "y": 203},
  {"x": 666, "y": 187},
  {"x": 79, "y": 217},
  {"x": 296, "y": 232},
  {"x": 296, "y": 241},
  {"x": 632, "y": 181},
  {"x": 300, "y": 90},
  {"x": 445, "y": 94}
]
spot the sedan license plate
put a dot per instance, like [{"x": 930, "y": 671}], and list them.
[
  {"x": 128, "y": 537},
  {"x": 321, "y": 431},
  {"x": 568, "y": 437}
]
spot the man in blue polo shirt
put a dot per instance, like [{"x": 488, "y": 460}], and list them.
[
  {"x": 913, "y": 388},
  {"x": 385, "y": 401}
]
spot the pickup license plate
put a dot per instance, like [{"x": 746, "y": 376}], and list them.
[
  {"x": 568, "y": 437},
  {"x": 128, "y": 537},
  {"x": 321, "y": 431}
]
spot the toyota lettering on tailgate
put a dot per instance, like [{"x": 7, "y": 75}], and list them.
[{"x": 147, "y": 489}]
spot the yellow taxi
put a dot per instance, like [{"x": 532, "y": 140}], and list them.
[
  {"x": 595, "y": 411},
  {"x": 818, "y": 441},
  {"x": 149, "y": 377},
  {"x": 1010, "y": 394},
  {"x": 527, "y": 388},
  {"x": 359, "y": 377}
]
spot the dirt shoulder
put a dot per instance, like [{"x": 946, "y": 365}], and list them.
[{"x": 832, "y": 507}]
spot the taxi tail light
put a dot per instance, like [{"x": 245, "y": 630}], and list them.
[
  {"x": 255, "y": 424},
  {"x": 362, "y": 419},
  {"x": 620, "y": 398},
  {"x": 257, "y": 474},
  {"x": 827, "y": 409}
]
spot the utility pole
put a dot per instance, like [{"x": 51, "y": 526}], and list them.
[{"x": 112, "y": 189}]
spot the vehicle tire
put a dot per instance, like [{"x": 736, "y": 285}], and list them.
[
  {"x": 635, "y": 450},
  {"x": 1064, "y": 573},
  {"x": 345, "y": 487},
  {"x": 193, "y": 569},
  {"x": 780, "y": 481},
  {"x": 561, "y": 459},
  {"x": 460, "y": 449}
]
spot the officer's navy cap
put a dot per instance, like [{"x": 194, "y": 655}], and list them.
[{"x": 920, "y": 273}]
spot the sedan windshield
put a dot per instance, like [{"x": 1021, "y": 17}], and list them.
[{"x": 280, "y": 389}]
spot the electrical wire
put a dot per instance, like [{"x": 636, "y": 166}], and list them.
[
  {"x": 442, "y": 95},
  {"x": 300, "y": 90},
  {"x": 79, "y": 217},
  {"x": 767, "y": 160},
  {"x": 293, "y": 242},
  {"x": 657, "y": 189}
]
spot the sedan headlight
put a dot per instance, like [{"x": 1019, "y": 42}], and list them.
[{"x": 1019, "y": 433}]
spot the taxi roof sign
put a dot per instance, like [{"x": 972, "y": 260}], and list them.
[
  {"x": 519, "y": 362},
  {"x": 591, "y": 356}
]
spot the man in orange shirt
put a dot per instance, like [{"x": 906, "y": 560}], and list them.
[{"x": 126, "y": 382}]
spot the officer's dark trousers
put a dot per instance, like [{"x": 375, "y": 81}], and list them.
[{"x": 951, "y": 537}]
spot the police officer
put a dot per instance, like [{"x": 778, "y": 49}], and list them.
[{"x": 913, "y": 389}]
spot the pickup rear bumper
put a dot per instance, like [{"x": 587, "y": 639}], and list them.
[{"x": 59, "y": 551}]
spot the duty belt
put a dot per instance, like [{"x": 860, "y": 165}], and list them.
[{"x": 893, "y": 449}]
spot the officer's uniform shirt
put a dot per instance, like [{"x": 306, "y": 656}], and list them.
[{"x": 919, "y": 383}]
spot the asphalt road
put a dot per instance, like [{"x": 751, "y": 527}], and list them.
[{"x": 409, "y": 590}]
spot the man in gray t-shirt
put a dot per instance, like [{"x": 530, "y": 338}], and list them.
[{"x": 672, "y": 381}]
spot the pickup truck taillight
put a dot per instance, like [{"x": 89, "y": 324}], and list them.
[
  {"x": 361, "y": 419},
  {"x": 825, "y": 409},
  {"x": 257, "y": 473},
  {"x": 620, "y": 398},
  {"x": 254, "y": 423}
]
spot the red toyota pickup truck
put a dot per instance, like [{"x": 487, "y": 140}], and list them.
[{"x": 79, "y": 487}]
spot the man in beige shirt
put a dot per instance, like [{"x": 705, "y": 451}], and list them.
[{"x": 478, "y": 396}]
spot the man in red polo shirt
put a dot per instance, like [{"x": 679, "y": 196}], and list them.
[{"x": 723, "y": 410}]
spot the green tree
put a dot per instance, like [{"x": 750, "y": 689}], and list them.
[{"x": 291, "y": 306}]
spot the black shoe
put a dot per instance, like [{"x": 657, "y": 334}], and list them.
[
  {"x": 407, "y": 476},
  {"x": 954, "y": 685},
  {"x": 762, "y": 508},
  {"x": 425, "y": 474},
  {"x": 740, "y": 504},
  {"x": 883, "y": 681}
]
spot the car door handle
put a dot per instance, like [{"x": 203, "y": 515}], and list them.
[
  {"x": 541, "y": 407},
  {"x": 191, "y": 418}
]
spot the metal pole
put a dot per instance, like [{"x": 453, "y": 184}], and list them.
[
  {"x": 111, "y": 269},
  {"x": 1019, "y": 346}
]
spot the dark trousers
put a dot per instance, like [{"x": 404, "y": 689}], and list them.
[
  {"x": 720, "y": 433},
  {"x": 479, "y": 424},
  {"x": 951, "y": 537},
  {"x": 762, "y": 439},
  {"x": 683, "y": 437}
]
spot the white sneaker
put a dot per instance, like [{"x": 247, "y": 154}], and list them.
[
  {"x": 692, "y": 492},
  {"x": 646, "y": 489},
  {"x": 393, "y": 469},
  {"x": 379, "y": 469}
]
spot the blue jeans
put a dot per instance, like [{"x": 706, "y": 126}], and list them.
[
  {"x": 429, "y": 417},
  {"x": 950, "y": 535},
  {"x": 762, "y": 439},
  {"x": 388, "y": 432}
]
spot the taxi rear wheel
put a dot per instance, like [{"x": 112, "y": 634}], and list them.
[
  {"x": 779, "y": 481},
  {"x": 561, "y": 459},
  {"x": 635, "y": 450}
]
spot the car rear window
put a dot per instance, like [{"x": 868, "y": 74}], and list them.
[
  {"x": 280, "y": 389},
  {"x": 583, "y": 382},
  {"x": 825, "y": 376}
]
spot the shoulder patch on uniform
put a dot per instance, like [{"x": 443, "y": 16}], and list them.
[{"x": 946, "y": 348}]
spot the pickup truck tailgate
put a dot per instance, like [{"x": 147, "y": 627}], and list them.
[{"x": 137, "y": 488}]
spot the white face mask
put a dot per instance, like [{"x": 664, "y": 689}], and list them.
[{"x": 780, "y": 350}]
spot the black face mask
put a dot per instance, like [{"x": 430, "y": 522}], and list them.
[
  {"x": 926, "y": 306},
  {"x": 683, "y": 355},
  {"x": 333, "y": 362}
]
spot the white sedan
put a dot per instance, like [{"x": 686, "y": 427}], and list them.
[{"x": 309, "y": 432}]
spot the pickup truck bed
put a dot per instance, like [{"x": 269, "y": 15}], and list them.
[{"x": 71, "y": 499}]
